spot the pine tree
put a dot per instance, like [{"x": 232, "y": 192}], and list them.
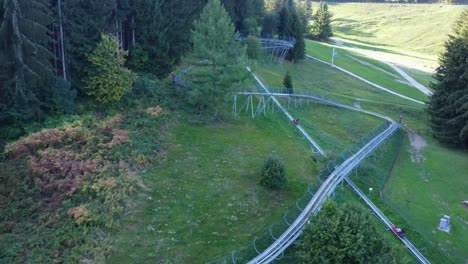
[
  {"x": 448, "y": 107},
  {"x": 290, "y": 25},
  {"x": 287, "y": 83},
  {"x": 84, "y": 22},
  {"x": 25, "y": 68},
  {"x": 322, "y": 29},
  {"x": 254, "y": 50},
  {"x": 162, "y": 33},
  {"x": 108, "y": 80},
  {"x": 214, "y": 43}
]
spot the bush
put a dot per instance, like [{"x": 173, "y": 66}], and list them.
[{"x": 273, "y": 173}]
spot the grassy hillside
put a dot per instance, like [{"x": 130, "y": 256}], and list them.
[
  {"x": 417, "y": 192},
  {"x": 396, "y": 27},
  {"x": 370, "y": 69}
]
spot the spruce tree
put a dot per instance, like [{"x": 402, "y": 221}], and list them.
[
  {"x": 287, "y": 83},
  {"x": 254, "y": 48},
  {"x": 322, "y": 29},
  {"x": 108, "y": 80},
  {"x": 84, "y": 22},
  {"x": 290, "y": 25},
  {"x": 25, "y": 68},
  {"x": 448, "y": 107},
  {"x": 214, "y": 43}
]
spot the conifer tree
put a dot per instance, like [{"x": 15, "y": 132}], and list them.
[
  {"x": 84, "y": 22},
  {"x": 214, "y": 43},
  {"x": 344, "y": 234},
  {"x": 25, "y": 68},
  {"x": 108, "y": 80},
  {"x": 287, "y": 83},
  {"x": 448, "y": 107},
  {"x": 322, "y": 29},
  {"x": 290, "y": 25}
]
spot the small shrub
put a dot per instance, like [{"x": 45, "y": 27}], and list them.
[{"x": 273, "y": 173}]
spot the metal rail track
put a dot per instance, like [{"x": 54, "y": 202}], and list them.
[
  {"x": 288, "y": 115},
  {"x": 339, "y": 174},
  {"x": 326, "y": 189},
  {"x": 386, "y": 221},
  {"x": 295, "y": 229}
]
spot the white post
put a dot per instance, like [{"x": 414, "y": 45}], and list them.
[{"x": 333, "y": 56}]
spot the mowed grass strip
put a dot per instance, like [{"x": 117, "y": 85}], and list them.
[
  {"x": 372, "y": 70},
  {"x": 421, "y": 28},
  {"x": 205, "y": 200},
  {"x": 324, "y": 80}
]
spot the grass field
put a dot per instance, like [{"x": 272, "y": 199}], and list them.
[
  {"x": 372, "y": 70},
  {"x": 206, "y": 194},
  {"x": 396, "y": 28}
]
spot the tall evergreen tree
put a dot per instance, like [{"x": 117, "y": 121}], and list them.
[
  {"x": 84, "y": 22},
  {"x": 322, "y": 29},
  {"x": 291, "y": 25},
  {"x": 25, "y": 68},
  {"x": 214, "y": 43},
  {"x": 162, "y": 32},
  {"x": 448, "y": 107}
]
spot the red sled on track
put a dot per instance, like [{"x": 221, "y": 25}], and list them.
[{"x": 398, "y": 231}]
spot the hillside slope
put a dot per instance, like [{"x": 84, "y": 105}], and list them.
[{"x": 415, "y": 28}]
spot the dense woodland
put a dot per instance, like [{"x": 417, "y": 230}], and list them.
[{"x": 45, "y": 44}]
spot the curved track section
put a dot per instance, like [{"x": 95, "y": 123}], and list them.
[
  {"x": 339, "y": 174},
  {"x": 328, "y": 186}
]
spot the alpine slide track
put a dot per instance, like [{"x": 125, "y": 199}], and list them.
[{"x": 338, "y": 174}]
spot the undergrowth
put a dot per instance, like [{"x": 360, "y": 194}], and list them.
[{"x": 63, "y": 188}]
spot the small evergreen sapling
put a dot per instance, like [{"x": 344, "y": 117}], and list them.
[
  {"x": 273, "y": 173},
  {"x": 287, "y": 83}
]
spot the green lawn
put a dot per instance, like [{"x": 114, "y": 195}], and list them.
[
  {"x": 422, "y": 191},
  {"x": 206, "y": 195},
  {"x": 324, "y": 80},
  {"x": 373, "y": 70},
  {"x": 396, "y": 28}
]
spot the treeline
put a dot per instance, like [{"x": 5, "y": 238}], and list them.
[
  {"x": 454, "y": 2},
  {"x": 45, "y": 44}
]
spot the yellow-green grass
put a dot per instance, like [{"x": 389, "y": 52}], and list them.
[
  {"x": 396, "y": 27},
  {"x": 322, "y": 79},
  {"x": 376, "y": 72}
]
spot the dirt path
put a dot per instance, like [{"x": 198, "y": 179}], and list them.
[
  {"x": 410, "y": 79},
  {"x": 417, "y": 143}
]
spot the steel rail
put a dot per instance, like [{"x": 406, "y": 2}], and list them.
[
  {"x": 386, "y": 221},
  {"x": 325, "y": 190},
  {"x": 294, "y": 231},
  {"x": 289, "y": 116}
]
